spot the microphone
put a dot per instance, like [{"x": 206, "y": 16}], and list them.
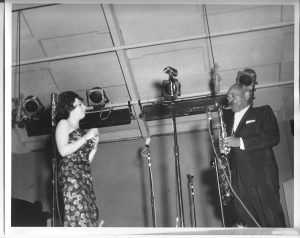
[
  {"x": 147, "y": 143},
  {"x": 53, "y": 108},
  {"x": 190, "y": 176},
  {"x": 209, "y": 116},
  {"x": 171, "y": 71}
]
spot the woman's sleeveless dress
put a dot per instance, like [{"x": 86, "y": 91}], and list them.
[{"x": 77, "y": 187}]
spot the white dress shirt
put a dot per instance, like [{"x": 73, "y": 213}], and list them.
[{"x": 237, "y": 118}]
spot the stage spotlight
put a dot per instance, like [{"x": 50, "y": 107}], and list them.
[
  {"x": 32, "y": 106},
  {"x": 247, "y": 77},
  {"x": 96, "y": 97},
  {"x": 171, "y": 88}
]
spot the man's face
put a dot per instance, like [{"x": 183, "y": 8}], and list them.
[{"x": 236, "y": 99}]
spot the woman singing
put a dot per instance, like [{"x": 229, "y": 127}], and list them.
[{"x": 77, "y": 149}]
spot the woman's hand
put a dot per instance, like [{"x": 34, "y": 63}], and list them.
[
  {"x": 91, "y": 134},
  {"x": 95, "y": 141},
  {"x": 94, "y": 150}
]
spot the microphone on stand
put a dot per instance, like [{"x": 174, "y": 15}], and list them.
[
  {"x": 209, "y": 117},
  {"x": 147, "y": 145},
  {"x": 55, "y": 205}
]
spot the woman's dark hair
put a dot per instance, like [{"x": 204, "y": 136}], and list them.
[{"x": 65, "y": 104}]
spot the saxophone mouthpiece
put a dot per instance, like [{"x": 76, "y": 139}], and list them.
[{"x": 224, "y": 107}]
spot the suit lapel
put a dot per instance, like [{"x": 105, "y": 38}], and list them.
[{"x": 243, "y": 120}]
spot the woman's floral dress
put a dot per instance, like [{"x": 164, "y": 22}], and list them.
[{"x": 77, "y": 188}]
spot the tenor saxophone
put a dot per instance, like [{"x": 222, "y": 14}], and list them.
[{"x": 217, "y": 131}]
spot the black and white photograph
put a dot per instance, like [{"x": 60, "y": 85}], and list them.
[{"x": 157, "y": 118}]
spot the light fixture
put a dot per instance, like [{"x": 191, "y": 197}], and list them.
[
  {"x": 247, "y": 77},
  {"x": 171, "y": 88},
  {"x": 96, "y": 97},
  {"x": 32, "y": 106}
]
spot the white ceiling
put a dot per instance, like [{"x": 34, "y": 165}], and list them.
[{"x": 124, "y": 49}]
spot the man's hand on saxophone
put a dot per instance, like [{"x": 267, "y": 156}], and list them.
[{"x": 232, "y": 141}]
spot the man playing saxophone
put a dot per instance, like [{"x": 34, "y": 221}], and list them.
[{"x": 252, "y": 132}]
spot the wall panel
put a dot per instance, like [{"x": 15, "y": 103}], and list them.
[{"x": 121, "y": 180}]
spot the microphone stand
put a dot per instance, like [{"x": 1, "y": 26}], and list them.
[
  {"x": 176, "y": 152},
  {"x": 151, "y": 187},
  {"x": 54, "y": 160}
]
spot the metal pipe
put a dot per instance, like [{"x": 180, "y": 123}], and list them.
[
  {"x": 34, "y": 6},
  {"x": 152, "y": 200},
  {"x": 154, "y": 43},
  {"x": 54, "y": 160}
]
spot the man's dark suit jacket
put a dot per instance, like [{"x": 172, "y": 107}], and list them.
[{"x": 256, "y": 164}]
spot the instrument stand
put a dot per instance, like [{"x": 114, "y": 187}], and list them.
[
  {"x": 177, "y": 163},
  {"x": 151, "y": 188}
]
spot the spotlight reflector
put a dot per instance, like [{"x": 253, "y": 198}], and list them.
[
  {"x": 246, "y": 77},
  {"x": 32, "y": 106},
  {"x": 96, "y": 97}
]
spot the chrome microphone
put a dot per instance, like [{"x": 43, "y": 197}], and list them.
[
  {"x": 53, "y": 108},
  {"x": 209, "y": 117}
]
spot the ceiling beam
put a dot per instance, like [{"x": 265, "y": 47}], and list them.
[
  {"x": 24, "y": 7},
  {"x": 123, "y": 47},
  {"x": 117, "y": 38}
]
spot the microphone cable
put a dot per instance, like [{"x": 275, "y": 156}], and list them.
[
  {"x": 241, "y": 202},
  {"x": 108, "y": 115}
]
